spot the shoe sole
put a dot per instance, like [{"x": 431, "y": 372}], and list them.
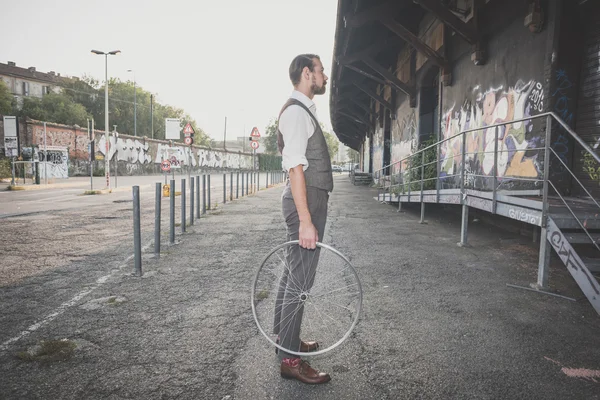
[{"x": 308, "y": 383}]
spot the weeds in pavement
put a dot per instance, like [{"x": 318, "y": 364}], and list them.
[
  {"x": 49, "y": 351},
  {"x": 263, "y": 294}
]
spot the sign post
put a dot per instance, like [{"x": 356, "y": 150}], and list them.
[
  {"x": 254, "y": 136},
  {"x": 11, "y": 141}
]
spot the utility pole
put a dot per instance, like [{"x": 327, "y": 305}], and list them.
[
  {"x": 225, "y": 135},
  {"x": 152, "y": 115}
]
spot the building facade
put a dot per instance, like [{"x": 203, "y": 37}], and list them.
[
  {"x": 409, "y": 73},
  {"x": 28, "y": 82}
]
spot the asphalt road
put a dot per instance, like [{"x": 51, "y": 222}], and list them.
[
  {"x": 69, "y": 194},
  {"x": 438, "y": 322}
]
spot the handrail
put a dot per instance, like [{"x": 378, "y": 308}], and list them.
[{"x": 545, "y": 114}]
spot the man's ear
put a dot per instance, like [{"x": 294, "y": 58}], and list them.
[{"x": 306, "y": 72}]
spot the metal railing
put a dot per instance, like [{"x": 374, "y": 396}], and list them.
[{"x": 408, "y": 174}]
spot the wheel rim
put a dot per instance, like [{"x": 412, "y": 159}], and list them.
[{"x": 331, "y": 306}]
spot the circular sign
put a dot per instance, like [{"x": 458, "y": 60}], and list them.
[
  {"x": 254, "y": 145},
  {"x": 188, "y": 140},
  {"x": 165, "y": 165}
]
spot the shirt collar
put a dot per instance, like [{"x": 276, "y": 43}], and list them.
[{"x": 303, "y": 99}]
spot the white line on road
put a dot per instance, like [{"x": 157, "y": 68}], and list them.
[{"x": 64, "y": 306}]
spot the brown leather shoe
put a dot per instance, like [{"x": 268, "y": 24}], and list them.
[
  {"x": 304, "y": 373},
  {"x": 305, "y": 347}
]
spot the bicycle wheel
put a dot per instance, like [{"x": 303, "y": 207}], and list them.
[{"x": 326, "y": 303}]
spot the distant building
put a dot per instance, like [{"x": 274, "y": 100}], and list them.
[{"x": 28, "y": 82}]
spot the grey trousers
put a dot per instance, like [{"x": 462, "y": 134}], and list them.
[{"x": 301, "y": 268}]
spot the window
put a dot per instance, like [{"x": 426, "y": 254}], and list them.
[
  {"x": 46, "y": 90},
  {"x": 25, "y": 89}
]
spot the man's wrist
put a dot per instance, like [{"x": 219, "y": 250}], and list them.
[{"x": 306, "y": 220}]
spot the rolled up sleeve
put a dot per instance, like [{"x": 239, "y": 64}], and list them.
[{"x": 295, "y": 128}]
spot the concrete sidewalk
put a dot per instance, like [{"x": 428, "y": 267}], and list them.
[{"x": 439, "y": 321}]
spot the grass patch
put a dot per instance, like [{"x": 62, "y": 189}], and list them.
[
  {"x": 112, "y": 300},
  {"x": 49, "y": 351}
]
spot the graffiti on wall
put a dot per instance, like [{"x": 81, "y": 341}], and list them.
[
  {"x": 135, "y": 154},
  {"x": 75, "y": 140},
  {"x": 53, "y": 162},
  {"x": 404, "y": 139},
  {"x": 515, "y": 142},
  {"x": 378, "y": 149}
]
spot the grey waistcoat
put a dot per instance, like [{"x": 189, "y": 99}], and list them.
[{"x": 318, "y": 174}]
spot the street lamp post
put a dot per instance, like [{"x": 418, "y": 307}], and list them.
[
  {"x": 106, "y": 126},
  {"x": 134, "y": 104}
]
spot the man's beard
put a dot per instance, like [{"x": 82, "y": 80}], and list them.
[{"x": 318, "y": 90}]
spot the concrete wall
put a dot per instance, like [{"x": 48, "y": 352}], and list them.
[{"x": 135, "y": 155}]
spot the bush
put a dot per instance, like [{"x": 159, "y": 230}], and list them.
[{"x": 5, "y": 170}]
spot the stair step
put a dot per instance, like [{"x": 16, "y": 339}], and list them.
[
  {"x": 565, "y": 220},
  {"x": 581, "y": 237},
  {"x": 592, "y": 264}
]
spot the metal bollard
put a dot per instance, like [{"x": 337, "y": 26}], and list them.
[
  {"x": 247, "y": 182},
  {"x": 267, "y": 178},
  {"x": 203, "y": 194},
  {"x": 192, "y": 200},
  {"x": 172, "y": 213},
  {"x": 237, "y": 185},
  {"x": 231, "y": 187},
  {"x": 198, "y": 196},
  {"x": 257, "y": 181},
  {"x": 182, "y": 205},
  {"x": 137, "y": 239},
  {"x": 208, "y": 195},
  {"x": 242, "y": 184},
  {"x": 224, "y": 188},
  {"x": 157, "y": 220}
]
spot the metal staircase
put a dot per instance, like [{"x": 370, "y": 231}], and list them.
[{"x": 570, "y": 225}]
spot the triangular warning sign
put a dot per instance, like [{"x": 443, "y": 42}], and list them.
[
  {"x": 255, "y": 132},
  {"x": 188, "y": 130}
]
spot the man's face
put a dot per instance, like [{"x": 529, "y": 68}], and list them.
[{"x": 318, "y": 78}]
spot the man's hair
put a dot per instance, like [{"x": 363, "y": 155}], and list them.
[{"x": 298, "y": 64}]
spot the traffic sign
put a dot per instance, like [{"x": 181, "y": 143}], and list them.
[
  {"x": 255, "y": 132},
  {"x": 254, "y": 145},
  {"x": 188, "y": 130},
  {"x": 165, "y": 165},
  {"x": 188, "y": 140}
]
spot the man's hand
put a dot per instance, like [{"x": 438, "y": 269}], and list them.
[{"x": 308, "y": 235}]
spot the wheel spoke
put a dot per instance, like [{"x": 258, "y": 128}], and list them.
[{"x": 334, "y": 300}]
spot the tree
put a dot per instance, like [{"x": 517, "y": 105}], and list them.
[
  {"x": 125, "y": 98},
  {"x": 271, "y": 138},
  {"x": 54, "y": 107},
  {"x": 6, "y": 99},
  {"x": 333, "y": 144}
]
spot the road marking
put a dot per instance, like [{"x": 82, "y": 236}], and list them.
[{"x": 64, "y": 306}]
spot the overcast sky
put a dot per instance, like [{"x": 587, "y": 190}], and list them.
[{"x": 211, "y": 58}]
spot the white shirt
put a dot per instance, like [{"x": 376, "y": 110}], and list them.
[{"x": 296, "y": 126}]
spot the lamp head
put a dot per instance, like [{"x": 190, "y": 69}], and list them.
[
  {"x": 114, "y": 52},
  {"x": 97, "y": 52}
]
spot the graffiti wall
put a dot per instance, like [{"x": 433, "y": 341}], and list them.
[
  {"x": 54, "y": 162},
  {"x": 517, "y": 143},
  {"x": 134, "y": 155},
  {"x": 378, "y": 148},
  {"x": 404, "y": 136}
]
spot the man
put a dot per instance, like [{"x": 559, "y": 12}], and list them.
[{"x": 304, "y": 205}]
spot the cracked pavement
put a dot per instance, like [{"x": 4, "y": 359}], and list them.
[{"x": 438, "y": 320}]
